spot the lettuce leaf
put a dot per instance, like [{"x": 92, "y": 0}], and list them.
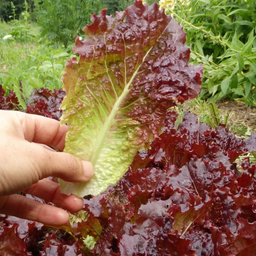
[{"x": 131, "y": 69}]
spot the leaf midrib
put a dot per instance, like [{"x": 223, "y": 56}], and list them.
[{"x": 108, "y": 123}]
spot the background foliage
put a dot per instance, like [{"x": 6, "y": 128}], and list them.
[
  {"x": 6, "y": 12},
  {"x": 119, "y": 5},
  {"x": 63, "y": 20},
  {"x": 60, "y": 20},
  {"x": 221, "y": 35}
]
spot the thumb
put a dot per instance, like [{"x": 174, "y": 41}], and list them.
[{"x": 65, "y": 166}]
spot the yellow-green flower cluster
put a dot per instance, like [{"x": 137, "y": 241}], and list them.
[
  {"x": 167, "y": 4},
  {"x": 170, "y": 4}
]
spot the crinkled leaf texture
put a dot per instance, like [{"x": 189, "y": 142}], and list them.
[
  {"x": 42, "y": 102},
  {"x": 183, "y": 196},
  {"x": 132, "y": 68}
]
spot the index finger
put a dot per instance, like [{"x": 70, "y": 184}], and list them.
[{"x": 43, "y": 130}]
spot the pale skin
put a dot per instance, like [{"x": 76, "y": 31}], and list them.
[{"x": 25, "y": 165}]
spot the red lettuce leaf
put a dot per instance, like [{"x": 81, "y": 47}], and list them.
[
  {"x": 10, "y": 243},
  {"x": 8, "y": 101},
  {"x": 42, "y": 102},
  {"x": 46, "y": 103},
  {"x": 131, "y": 69}
]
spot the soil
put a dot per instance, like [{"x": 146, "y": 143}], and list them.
[
  {"x": 239, "y": 114},
  {"x": 241, "y": 119}
]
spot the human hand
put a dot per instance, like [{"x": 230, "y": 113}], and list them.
[{"x": 25, "y": 164}]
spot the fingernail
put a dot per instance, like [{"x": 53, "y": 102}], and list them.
[{"x": 88, "y": 169}]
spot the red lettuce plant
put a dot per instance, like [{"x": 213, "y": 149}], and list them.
[
  {"x": 185, "y": 195},
  {"x": 8, "y": 101},
  {"x": 42, "y": 102}
]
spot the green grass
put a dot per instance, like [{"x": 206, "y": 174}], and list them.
[
  {"x": 4, "y": 29},
  {"x": 23, "y": 59}
]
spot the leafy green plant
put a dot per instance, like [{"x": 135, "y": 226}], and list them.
[
  {"x": 112, "y": 6},
  {"x": 62, "y": 21},
  {"x": 12, "y": 9},
  {"x": 19, "y": 28},
  {"x": 32, "y": 64},
  {"x": 221, "y": 35},
  {"x": 25, "y": 15},
  {"x": 241, "y": 130},
  {"x": 50, "y": 70},
  {"x": 21, "y": 32}
]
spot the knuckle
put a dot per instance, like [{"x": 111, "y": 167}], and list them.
[{"x": 72, "y": 165}]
